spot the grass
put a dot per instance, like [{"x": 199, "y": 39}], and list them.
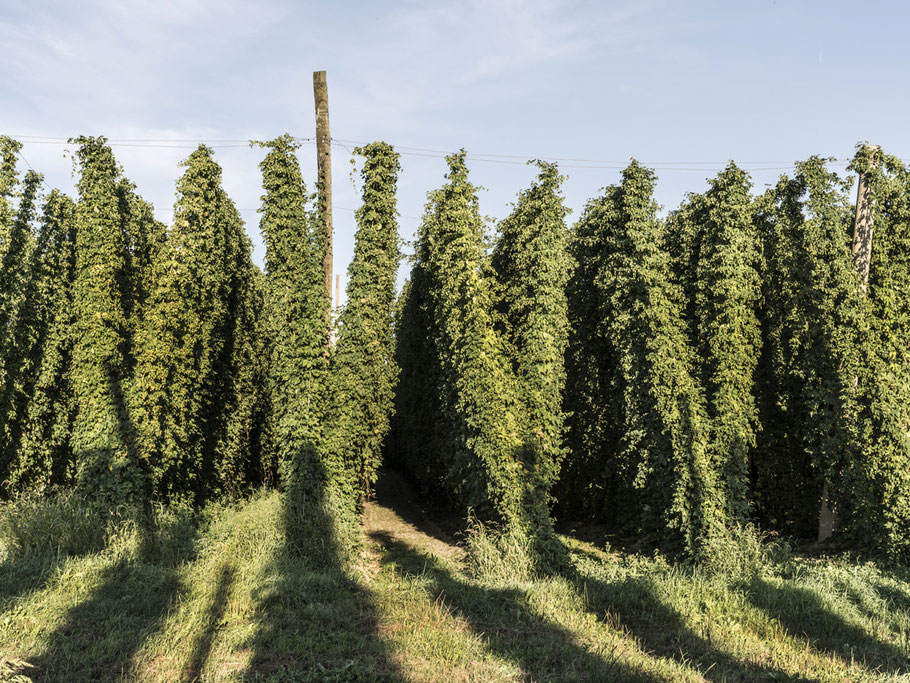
[{"x": 221, "y": 595}]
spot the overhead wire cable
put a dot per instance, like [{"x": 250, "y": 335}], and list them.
[{"x": 414, "y": 151}]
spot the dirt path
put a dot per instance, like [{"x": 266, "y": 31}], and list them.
[{"x": 395, "y": 513}]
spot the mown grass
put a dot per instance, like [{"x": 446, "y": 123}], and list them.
[{"x": 225, "y": 594}]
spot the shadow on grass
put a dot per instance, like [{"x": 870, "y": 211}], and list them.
[
  {"x": 604, "y": 537},
  {"x": 215, "y": 613},
  {"x": 393, "y": 490},
  {"x": 802, "y": 613},
  {"x": 896, "y": 597},
  {"x": 507, "y": 622},
  {"x": 100, "y": 636},
  {"x": 634, "y": 605},
  {"x": 24, "y": 575},
  {"x": 880, "y": 601},
  {"x": 316, "y": 623},
  {"x": 43, "y": 535}
]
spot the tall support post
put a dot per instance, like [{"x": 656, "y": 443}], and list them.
[
  {"x": 337, "y": 293},
  {"x": 862, "y": 225},
  {"x": 324, "y": 170},
  {"x": 862, "y": 257}
]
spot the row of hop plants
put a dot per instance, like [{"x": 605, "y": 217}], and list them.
[
  {"x": 478, "y": 419},
  {"x": 148, "y": 363},
  {"x": 680, "y": 379}
]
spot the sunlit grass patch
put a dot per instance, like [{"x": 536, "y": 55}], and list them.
[{"x": 221, "y": 595}]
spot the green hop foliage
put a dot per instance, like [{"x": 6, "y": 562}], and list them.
[
  {"x": 19, "y": 308},
  {"x": 363, "y": 370},
  {"x": 645, "y": 371},
  {"x": 484, "y": 464},
  {"x": 715, "y": 240},
  {"x": 297, "y": 305},
  {"x": 192, "y": 342},
  {"x": 531, "y": 265},
  {"x": 879, "y": 514},
  {"x": 103, "y": 438},
  {"x": 813, "y": 347},
  {"x": 44, "y": 456}
]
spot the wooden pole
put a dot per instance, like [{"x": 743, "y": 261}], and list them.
[
  {"x": 337, "y": 293},
  {"x": 826, "y": 516},
  {"x": 862, "y": 226},
  {"x": 324, "y": 172},
  {"x": 862, "y": 257}
]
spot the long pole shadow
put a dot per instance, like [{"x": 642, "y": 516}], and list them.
[
  {"x": 316, "y": 621},
  {"x": 100, "y": 636},
  {"x": 879, "y": 600},
  {"x": 633, "y": 604},
  {"x": 507, "y": 622},
  {"x": 803, "y": 613},
  {"x": 26, "y": 573},
  {"x": 203, "y": 648},
  {"x": 888, "y": 588}
]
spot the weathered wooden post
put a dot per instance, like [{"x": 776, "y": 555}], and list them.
[
  {"x": 337, "y": 293},
  {"x": 862, "y": 225},
  {"x": 324, "y": 173}
]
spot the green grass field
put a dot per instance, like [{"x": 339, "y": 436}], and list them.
[{"x": 220, "y": 595}]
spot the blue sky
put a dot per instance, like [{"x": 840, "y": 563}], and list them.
[{"x": 764, "y": 83}]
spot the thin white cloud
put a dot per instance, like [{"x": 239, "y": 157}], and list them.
[
  {"x": 173, "y": 12},
  {"x": 581, "y": 78},
  {"x": 419, "y": 58},
  {"x": 490, "y": 39}
]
